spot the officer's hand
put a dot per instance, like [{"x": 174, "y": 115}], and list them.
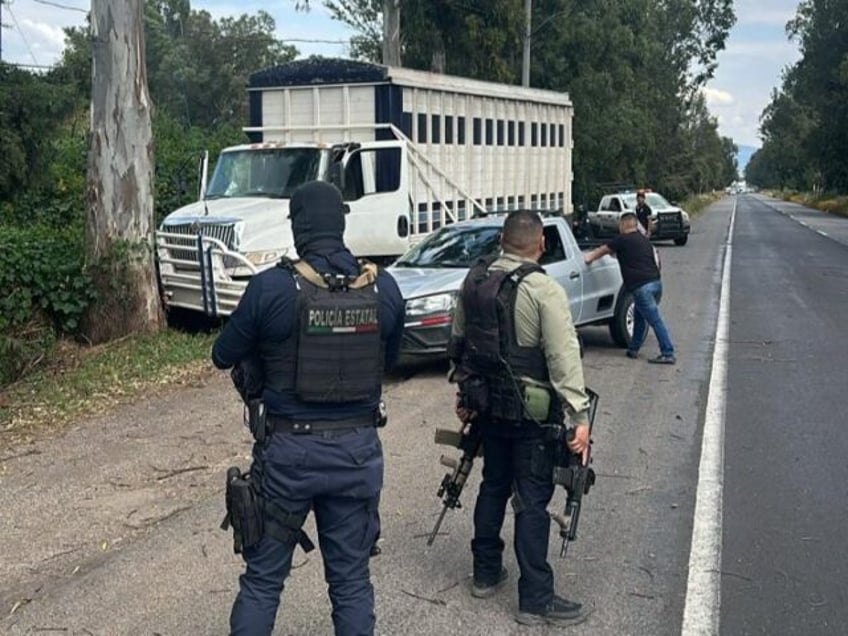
[
  {"x": 579, "y": 444},
  {"x": 465, "y": 415},
  {"x": 587, "y": 258}
]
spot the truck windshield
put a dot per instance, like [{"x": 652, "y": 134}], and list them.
[
  {"x": 263, "y": 172},
  {"x": 453, "y": 247},
  {"x": 654, "y": 201}
]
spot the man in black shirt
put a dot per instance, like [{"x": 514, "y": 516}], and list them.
[
  {"x": 643, "y": 213},
  {"x": 641, "y": 274}
]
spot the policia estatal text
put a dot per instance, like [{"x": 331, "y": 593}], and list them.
[
  {"x": 319, "y": 334},
  {"x": 517, "y": 362}
]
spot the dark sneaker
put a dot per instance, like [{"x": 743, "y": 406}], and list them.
[
  {"x": 478, "y": 590},
  {"x": 632, "y": 354},
  {"x": 560, "y": 612},
  {"x": 663, "y": 359}
]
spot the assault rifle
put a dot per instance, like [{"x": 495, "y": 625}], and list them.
[
  {"x": 470, "y": 442},
  {"x": 576, "y": 478}
]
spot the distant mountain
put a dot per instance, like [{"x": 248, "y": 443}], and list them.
[{"x": 743, "y": 156}]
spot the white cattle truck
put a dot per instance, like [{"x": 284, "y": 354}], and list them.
[{"x": 411, "y": 151}]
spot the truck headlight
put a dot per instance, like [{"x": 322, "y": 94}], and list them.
[
  {"x": 427, "y": 305},
  {"x": 263, "y": 258}
]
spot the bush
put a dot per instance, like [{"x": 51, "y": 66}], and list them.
[{"x": 45, "y": 291}]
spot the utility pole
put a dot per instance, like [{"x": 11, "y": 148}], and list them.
[
  {"x": 525, "y": 62},
  {"x": 391, "y": 32}
]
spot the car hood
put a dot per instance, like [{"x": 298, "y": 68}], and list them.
[
  {"x": 265, "y": 222},
  {"x": 415, "y": 282}
]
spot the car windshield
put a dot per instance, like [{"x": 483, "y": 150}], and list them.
[
  {"x": 263, "y": 172},
  {"x": 453, "y": 247},
  {"x": 653, "y": 200}
]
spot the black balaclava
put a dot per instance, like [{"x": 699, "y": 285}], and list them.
[{"x": 317, "y": 215}]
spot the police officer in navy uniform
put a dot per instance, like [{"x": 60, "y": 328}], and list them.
[
  {"x": 322, "y": 341},
  {"x": 516, "y": 358}
]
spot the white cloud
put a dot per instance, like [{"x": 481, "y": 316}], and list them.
[
  {"x": 748, "y": 13},
  {"x": 50, "y": 36},
  {"x": 717, "y": 97}
]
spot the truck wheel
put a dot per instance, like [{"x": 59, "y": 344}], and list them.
[
  {"x": 681, "y": 240},
  {"x": 621, "y": 323}
]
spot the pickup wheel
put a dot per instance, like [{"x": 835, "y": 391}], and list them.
[
  {"x": 621, "y": 324},
  {"x": 681, "y": 240}
]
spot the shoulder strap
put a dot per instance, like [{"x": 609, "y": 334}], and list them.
[
  {"x": 305, "y": 269},
  {"x": 367, "y": 276}
]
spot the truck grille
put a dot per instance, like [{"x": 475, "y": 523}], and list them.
[
  {"x": 669, "y": 223},
  {"x": 223, "y": 232}
]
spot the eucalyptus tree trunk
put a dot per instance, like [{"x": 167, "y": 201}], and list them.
[
  {"x": 120, "y": 217},
  {"x": 391, "y": 33}
]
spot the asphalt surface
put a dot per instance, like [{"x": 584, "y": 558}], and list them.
[
  {"x": 111, "y": 527},
  {"x": 784, "y": 567}
]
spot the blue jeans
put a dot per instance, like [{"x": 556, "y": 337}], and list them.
[
  {"x": 521, "y": 462},
  {"x": 646, "y": 304},
  {"x": 339, "y": 476}
]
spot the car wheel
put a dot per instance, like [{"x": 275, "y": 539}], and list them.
[
  {"x": 681, "y": 240},
  {"x": 621, "y": 324}
]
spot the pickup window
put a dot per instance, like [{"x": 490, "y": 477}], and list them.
[{"x": 554, "y": 249}]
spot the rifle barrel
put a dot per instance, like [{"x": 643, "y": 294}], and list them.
[{"x": 438, "y": 525}]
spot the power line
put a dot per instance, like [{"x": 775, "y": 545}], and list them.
[
  {"x": 61, "y": 6},
  {"x": 23, "y": 35}
]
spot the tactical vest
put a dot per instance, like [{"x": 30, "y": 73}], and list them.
[
  {"x": 491, "y": 348},
  {"x": 335, "y": 353}
]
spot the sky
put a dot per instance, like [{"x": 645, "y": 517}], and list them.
[{"x": 749, "y": 68}]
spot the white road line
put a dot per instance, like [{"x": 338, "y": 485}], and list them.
[
  {"x": 701, "y": 614},
  {"x": 822, "y": 233}
]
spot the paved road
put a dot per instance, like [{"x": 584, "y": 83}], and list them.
[
  {"x": 786, "y": 474},
  {"x": 110, "y": 527}
]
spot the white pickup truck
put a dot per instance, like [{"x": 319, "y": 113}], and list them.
[
  {"x": 669, "y": 222},
  {"x": 431, "y": 274},
  {"x": 411, "y": 152}
]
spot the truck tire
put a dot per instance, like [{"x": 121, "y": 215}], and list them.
[
  {"x": 621, "y": 323},
  {"x": 681, "y": 240}
]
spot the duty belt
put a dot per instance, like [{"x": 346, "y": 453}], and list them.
[{"x": 277, "y": 424}]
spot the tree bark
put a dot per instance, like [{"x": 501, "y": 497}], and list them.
[
  {"x": 120, "y": 217},
  {"x": 391, "y": 33}
]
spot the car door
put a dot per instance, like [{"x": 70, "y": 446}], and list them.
[{"x": 565, "y": 265}]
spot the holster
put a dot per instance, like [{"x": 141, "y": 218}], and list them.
[
  {"x": 244, "y": 510},
  {"x": 247, "y": 511},
  {"x": 256, "y": 419}
]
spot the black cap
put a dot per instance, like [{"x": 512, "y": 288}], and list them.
[{"x": 316, "y": 212}]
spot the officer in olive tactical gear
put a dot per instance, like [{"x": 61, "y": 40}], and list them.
[
  {"x": 323, "y": 330},
  {"x": 516, "y": 358}
]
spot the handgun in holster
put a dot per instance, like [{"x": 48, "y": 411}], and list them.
[{"x": 244, "y": 510}]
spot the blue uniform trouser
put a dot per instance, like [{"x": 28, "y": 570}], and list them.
[
  {"x": 519, "y": 460},
  {"x": 646, "y": 305},
  {"x": 338, "y": 475}
]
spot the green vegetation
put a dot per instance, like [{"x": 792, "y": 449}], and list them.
[
  {"x": 826, "y": 203},
  {"x": 633, "y": 68},
  {"x": 197, "y": 69},
  {"x": 75, "y": 381},
  {"x": 805, "y": 127}
]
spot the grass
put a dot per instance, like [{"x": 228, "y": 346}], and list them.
[
  {"x": 695, "y": 204},
  {"x": 79, "y": 381},
  {"x": 833, "y": 204}
]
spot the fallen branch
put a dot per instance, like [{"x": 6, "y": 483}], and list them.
[
  {"x": 434, "y": 601},
  {"x": 146, "y": 523},
  {"x": 32, "y": 451},
  {"x": 173, "y": 473}
]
